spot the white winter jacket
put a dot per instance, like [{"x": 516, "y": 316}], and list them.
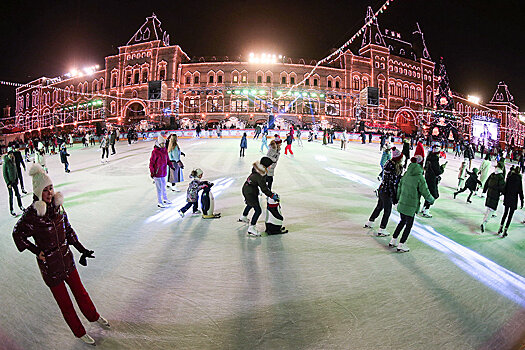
[{"x": 274, "y": 155}]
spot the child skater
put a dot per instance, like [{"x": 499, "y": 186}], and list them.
[
  {"x": 63, "y": 157},
  {"x": 264, "y": 142},
  {"x": 471, "y": 184},
  {"x": 244, "y": 145},
  {"x": 193, "y": 192}
]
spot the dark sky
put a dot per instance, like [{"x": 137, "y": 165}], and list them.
[{"x": 481, "y": 41}]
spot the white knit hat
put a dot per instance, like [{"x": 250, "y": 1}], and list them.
[
  {"x": 41, "y": 181},
  {"x": 160, "y": 141}
]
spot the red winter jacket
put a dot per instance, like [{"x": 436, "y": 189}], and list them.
[
  {"x": 158, "y": 162},
  {"x": 53, "y": 235}
]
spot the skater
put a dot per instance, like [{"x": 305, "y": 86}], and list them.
[
  {"x": 325, "y": 137},
  {"x": 63, "y": 157},
  {"x": 112, "y": 140},
  {"x": 158, "y": 164},
  {"x": 344, "y": 139},
  {"x": 288, "y": 148},
  {"x": 461, "y": 175},
  {"x": 264, "y": 142},
  {"x": 471, "y": 184},
  {"x": 208, "y": 202},
  {"x": 257, "y": 132},
  {"x": 484, "y": 170},
  {"x": 298, "y": 136},
  {"x": 11, "y": 179},
  {"x": 250, "y": 190},
  {"x": 469, "y": 155},
  {"x": 513, "y": 189},
  {"x": 19, "y": 161},
  {"x": 274, "y": 218},
  {"x": 432, "y": 176},
  {"x": 494, "y": 187},
  {"x": 411, "y": 187},
  {"x": 175, "y": 164},
  {"x": 192, "y": 194},
  {"x": 387, "y": 192},
  {"x": 244, "y": 145},
  {"x": 385, "y": 157},
  {"x": 104, "y": 145},
  {"x": 406, "y": 151},
  {"x": 198, "y": 131},
  {"x": 40, "y": 157},
  {"x": 219, "y": 131},
  {"x": 274, "y": 152},
  {"x": 47, "y": 223}
]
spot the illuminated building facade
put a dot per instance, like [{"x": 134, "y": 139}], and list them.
[{"x": 215, "y": 89}]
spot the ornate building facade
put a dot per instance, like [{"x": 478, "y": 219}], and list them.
[{"x": 214, "y": 89}]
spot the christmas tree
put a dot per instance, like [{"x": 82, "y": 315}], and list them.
[{"x": 444, "y": 101}]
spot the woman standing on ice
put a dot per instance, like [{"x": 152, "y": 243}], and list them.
[
  {"x": 387, "y": 192},
  {"x": 411, "y": 187},
  {"x": 432, "y": 175},
  {"x": 250, "y": 190},
  {"x": 494, "y": 187},
  {"x": 175, "y": 164},
  {"x": 264, "y": 141},
  {"x": 273, "y": 153},
  {"x": 484, "y": 170},
  {"x": 158, "y": 164},
  {"x": 244, "y": 145},
  {"x": 344, "y": 138},
  {"x": 385, "y": 157},
  {"x": 46, "y": 222},
  {"x": 513, "y": 190},
  {"x": 104, "y": 145}
]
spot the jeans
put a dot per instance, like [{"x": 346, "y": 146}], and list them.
[
  {"x": 384, "y": 203},
  {"x": 510, "y": 213},
  {"x": 66, "y": 306},
  {"x": 407, "y": 222},
  {"x": 188, "y": 206},
  {"x": 256, "y": 214}
]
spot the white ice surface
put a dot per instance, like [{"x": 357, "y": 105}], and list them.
[{"x": 170, "y": 283}]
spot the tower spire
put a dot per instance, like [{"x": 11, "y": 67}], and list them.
[{"x": 372, "y": 32}]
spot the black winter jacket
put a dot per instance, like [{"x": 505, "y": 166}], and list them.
[
  {"x": 494, "y": 187},
  {"x": 513, "y": 189}
]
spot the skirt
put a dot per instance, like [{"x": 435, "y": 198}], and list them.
[{"x": 175, "y": 173}]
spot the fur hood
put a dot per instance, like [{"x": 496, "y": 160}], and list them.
[{"x": 258, "y": 167}]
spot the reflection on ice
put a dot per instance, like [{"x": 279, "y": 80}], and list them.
[{"x": 503, "y": 281}]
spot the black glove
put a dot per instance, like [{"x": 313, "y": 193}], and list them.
[
  {"x": 86, "y": 254},
  {"x": 182, "y": 153}
]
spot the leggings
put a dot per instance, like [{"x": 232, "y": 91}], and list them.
[
  {"x": 256, "y": 214},
  {"x": 383, "y": 203},
  {"x": 241, "y": 153},
  {"x": 407, "y": 222},
  {"x": 510, "y": 212},
  {"x": 105, "y": 151}
]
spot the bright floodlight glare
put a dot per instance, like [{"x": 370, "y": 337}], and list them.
[{"x": 473, "y": 99}]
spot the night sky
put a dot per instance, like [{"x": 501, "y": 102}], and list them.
[{"x": 481, "y": 41}]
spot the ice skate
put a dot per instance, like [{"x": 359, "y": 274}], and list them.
[
  {"x": 103, "y": 322},
  {"x": 13, "y": 213},
  {"x": 24, "y": 191},
  {"x": 369, "y": 224},
  {"x": 196, "y": 212},
  {"x": 167, "y": 202},
  {"x": 383, "y": 232},
  {"x": 86, "y": 338},
  {"x": 426, "y": 213},
  {"x": 500, "y": 229},
  {"x": 162, "y": 205},
  {"x": 252, "y": 231},
  {"x": 393, "y": 243},
  {"x": 403, "y": 248},
  {"x": 175, "y": 189},
  {"x": 244, "y": 219},
  {"x": 482, "y": 227},
  {"x": 181, "y": 213},
  {"x": 504, "y": 233},
  {"x": 455, "y": 194}
]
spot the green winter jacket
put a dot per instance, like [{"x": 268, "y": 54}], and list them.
[
  {"x": 9, "y": 170},
  {"x": 411, "y": 187}
]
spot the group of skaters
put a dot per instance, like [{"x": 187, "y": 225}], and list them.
[{"x": 421, "y": 178}]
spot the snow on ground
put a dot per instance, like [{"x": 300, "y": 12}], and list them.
[{"x": 165, "y": 282}]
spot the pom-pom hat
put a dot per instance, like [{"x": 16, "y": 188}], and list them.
[
  {"x": 160, "y": 141},
  {"x": 40, "y": 181},
  {"x": 396, "y": 154}
]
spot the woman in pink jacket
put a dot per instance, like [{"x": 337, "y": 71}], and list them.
[{"x": 158, "y": 168}]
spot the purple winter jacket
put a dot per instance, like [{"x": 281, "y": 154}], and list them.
[{"x": 158, "y": 162}]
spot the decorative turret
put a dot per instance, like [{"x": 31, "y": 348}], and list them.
[
  {"x": 372, "y": 33},
  {"x": 502, "y": 94},
  {"x": 150, "y": 31},
  {"x": 419, "y": 45}
]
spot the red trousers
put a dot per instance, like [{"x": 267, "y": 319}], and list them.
[
  {"x": 288, "y": 148},
  {"x": 66, "y": 306}
]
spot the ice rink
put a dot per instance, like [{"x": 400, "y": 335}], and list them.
[{"x": 169, "y": 283}]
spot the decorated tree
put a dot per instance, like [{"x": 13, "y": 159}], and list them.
[{"x": 444, "y": 101}]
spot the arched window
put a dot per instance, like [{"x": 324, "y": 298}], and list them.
[
  {"x": 356, "y": 83},
  {"x": 365, "y": 83}
]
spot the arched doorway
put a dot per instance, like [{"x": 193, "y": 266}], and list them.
[
  {"x": 134, "y": 112},
  {"x": 406, "y": 120}
]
